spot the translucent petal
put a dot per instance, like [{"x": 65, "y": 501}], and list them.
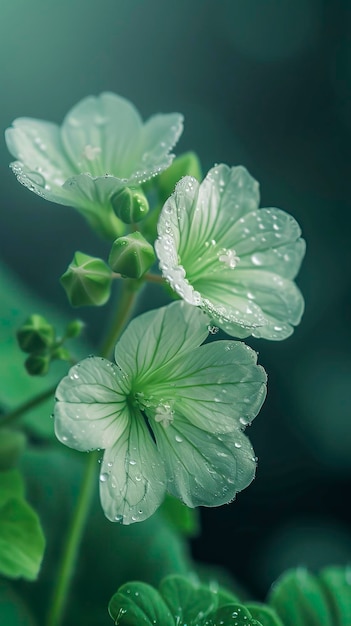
[
  {"x": 204, "y": 469},
  {"x": 132, "y": 477},
  {"x": 37, "y": 144},
  {"x": 157, "y": 337},
  {"x": 91, "y": 408},
  {"x": 100, "y": 135},
  {"x": 158, "y": 136},
  {"x": 218, "y": 387}
]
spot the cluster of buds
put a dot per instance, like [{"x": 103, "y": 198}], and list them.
[{"x": 37, "y": 337}]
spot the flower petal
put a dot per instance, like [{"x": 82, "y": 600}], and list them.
[
  {"x": 37, "y": 144},
  {"x": 158, "y": 136},
  {"x": 100, "y": 135},
  {"x": 217, "y": 387},
  {"x": 204, "y": 469},
  {"x": 132, "y": 478},
  {"x": 91, "y": 410},
  {"x": 157, "y": 337}
]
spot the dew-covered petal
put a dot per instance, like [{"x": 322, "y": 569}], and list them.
[
  {"x": 267, "y": 238},
  {"x": 218, "y": 387},
  {"x": 132, "y": 477},
  {"x": 204, "y": 469},
  {"x": 37, "y": 145},
  {"x": 158, "y": 136},
  {"x": 157, "y": 337},
  {"x": 100, "y": 135},
  {"x": 91, "y": 410}
]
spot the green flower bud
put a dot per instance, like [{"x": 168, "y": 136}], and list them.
[
  {"x": 130, "y": 205},
  {"x": 37, "y": 364},
  {"x": 131, "y": 255},
  {"x": 35, "y": 334},
  {"x": 87, "y": 281},
  {"x": 12, "y": 445},
  {"x": 61, "y": 354},
  {"x": 74, "y": 329},
  {"x": 187, "y": 164}
]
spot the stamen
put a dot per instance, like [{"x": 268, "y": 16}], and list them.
[
  {"x": 229, "y": 258},
  {"x": 91, "y": 152}
]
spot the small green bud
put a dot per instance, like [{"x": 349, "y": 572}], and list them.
[
  {"x": 12, "y": 444},
  {"x": 87, "y": 281},
  {"x": 37, "y": 364},
  {"x": 130, "y": 205},
  {"x": 186, "y": 164},
  {"x": 131, "y": 255},
  {"x": 61, "y": 354},
  {"x": 74, "y": 329},
  {"x": 35, "y": 334}
]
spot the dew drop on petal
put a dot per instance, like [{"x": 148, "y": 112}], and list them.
[
  {"x": 104, "y": 477},
  {"x": 178, "y": 439}
]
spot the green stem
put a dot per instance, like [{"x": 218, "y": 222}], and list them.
[
  {"x": 26, "y": 406},
  {"x": 75, "y": 532},
  {"x": 73, "y": 542},
  {"x": 125, "y": 308}
]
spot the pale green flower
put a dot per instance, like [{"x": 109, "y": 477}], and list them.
[
  {"x": 169, "y": 414},
  {"x": 219, "y": 251},
  {"x": 101, "y": 147}
]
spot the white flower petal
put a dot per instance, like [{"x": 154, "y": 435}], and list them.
[
  {"x": 91, "y": 409},
  {"x": 204, "y": 469},
  {"x": 157, "y": 337},
  {"x": 217, "y": 387},
  {"x": 109, "y": 124},
  {"x": 132, "y": 477},
  {"x": 37, "y": 145}
]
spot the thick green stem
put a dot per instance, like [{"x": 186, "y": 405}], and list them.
[
  {"x": 126, "y": 303},
  {"x": 75, "y": 532}
]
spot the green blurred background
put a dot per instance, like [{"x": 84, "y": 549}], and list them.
[{"x": 263, "y": 83}]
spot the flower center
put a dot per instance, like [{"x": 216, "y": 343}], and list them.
[
  {"x": 160, "y": 410},
  {"x": 229, "y": 258},
  {"x": 91, "y": 152}
]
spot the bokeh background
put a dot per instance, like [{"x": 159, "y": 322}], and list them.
[{"x": 266, "y": 84}]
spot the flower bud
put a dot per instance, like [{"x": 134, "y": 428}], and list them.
[
  {"x": 12, "y": 444},
  {"x": 74, "y": 329},
  {"x": 130, "y": 205},
  {"x": 131, "y": 255},
  {"x": 61, "y": 354},
  {"x": 35, "y": 334},
  {"x": 37, "y": 364},
  {"x": 87, "y": 281}
]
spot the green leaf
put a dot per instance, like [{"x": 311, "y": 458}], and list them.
[
  {"x": 185, "y": 520},
  {"x": 12, "y": 444},
  {"x": 234, "y": 615},
  {"x": 189, "y": 603},
  {"x": 299, "y": 600},
  {"x": 138, "y": 604},
  {"x": 336, "y": 583},
  {"x": 13, "y": 611},
  {"x": 264, "y": 614},
  {"x": 21, "y": 538}
]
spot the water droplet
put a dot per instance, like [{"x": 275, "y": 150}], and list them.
[
  {"x": 132, "y": 462},
  {"x": 178, "y": 439},
  {"x": 256, "y": 259},
  {"x": 104, "y": 477},
  {"x": 118, "y": 518},
  {"x": 237, "y": 445}
]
